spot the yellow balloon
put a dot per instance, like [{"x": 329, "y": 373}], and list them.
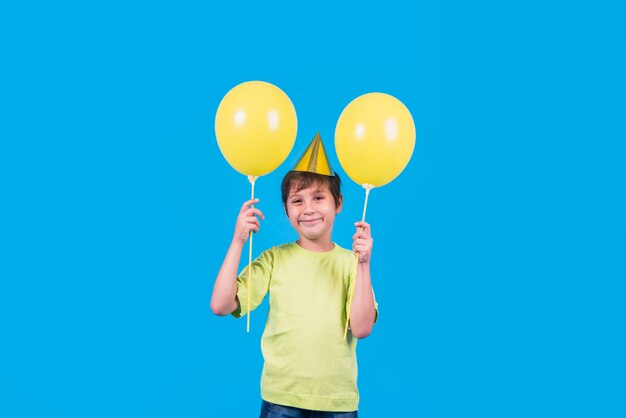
[
  {"x": 374, "y": 138},
  {"x": 256, "y": 127}
]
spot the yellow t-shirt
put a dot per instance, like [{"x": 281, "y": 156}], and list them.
[{"x": 308, "y": 364}]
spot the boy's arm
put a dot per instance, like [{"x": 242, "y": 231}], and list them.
[
  {"x": 224, "y": 298},
  {"x": 363, "y": 310}
]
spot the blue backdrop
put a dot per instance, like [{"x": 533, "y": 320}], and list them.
[{"x": 499, "y": 260}]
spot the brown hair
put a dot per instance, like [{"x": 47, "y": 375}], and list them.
[{"x": 303, "y": 179}]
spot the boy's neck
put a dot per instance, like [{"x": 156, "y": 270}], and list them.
[{"x": 317, "y": 246}]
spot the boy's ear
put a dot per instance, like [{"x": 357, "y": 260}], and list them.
[{"x": 340, "y": 205}]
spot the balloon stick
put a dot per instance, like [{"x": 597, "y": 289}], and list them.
[
  {"x": 367, "y": 188},
  {"x": 252, "y": 180}
]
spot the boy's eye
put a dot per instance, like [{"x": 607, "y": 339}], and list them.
[
  {"x": 319, "y": 197},
  {"x": 296, "y": 201}
]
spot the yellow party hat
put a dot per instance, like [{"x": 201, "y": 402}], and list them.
[{"x": 314, "y": 159}]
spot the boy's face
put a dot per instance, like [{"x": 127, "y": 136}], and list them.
[{"x": 312, "y": 211}]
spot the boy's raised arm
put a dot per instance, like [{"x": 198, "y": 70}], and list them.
[
  {"x": 224, "y": 298},
  {"x": 363, "y": 312}
]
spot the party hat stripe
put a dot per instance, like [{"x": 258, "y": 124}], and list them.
[{"x": 313, "y": 159}]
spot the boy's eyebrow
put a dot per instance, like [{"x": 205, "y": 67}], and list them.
[{"x": 320, "y": 190}]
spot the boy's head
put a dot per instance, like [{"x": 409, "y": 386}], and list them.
[
  {"x": 294, "y": 181},
  {"x": 311, "y": 193},
  {"x": 311, "y": 202}
]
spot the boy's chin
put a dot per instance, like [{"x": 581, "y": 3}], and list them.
[{"x": 311, "y": 236}]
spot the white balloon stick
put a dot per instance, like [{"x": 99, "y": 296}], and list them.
[
  {"x": 367, "y": 188},
  {"x": 252, "y": 180}
]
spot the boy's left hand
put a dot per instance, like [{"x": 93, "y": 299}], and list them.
[{"x": 362, "y": 241}]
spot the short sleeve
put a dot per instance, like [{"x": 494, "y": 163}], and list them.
[{"x": 260, "y": 278}]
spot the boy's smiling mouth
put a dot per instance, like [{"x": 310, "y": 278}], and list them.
[{"x": 309, "y": 221}]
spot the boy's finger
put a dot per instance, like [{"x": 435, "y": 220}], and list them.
[
  {"x": 361, "y": 241},
  {"x": 251, "y": 227},
  {"x": 360, "y": 249},
  {"x": 253, "y": 221},
  {"x": 363, "y": 225},
  {"x": 254, "y": 211},
  {"x": 361, "y": 234},
  {"x": 257, "y": 212},
  {"x": 248, "y": 203}
]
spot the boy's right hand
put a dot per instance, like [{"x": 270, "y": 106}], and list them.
[{"x": 247, "y": 221}]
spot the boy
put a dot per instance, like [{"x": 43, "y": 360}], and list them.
[{"x": 310, "y": 370}]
